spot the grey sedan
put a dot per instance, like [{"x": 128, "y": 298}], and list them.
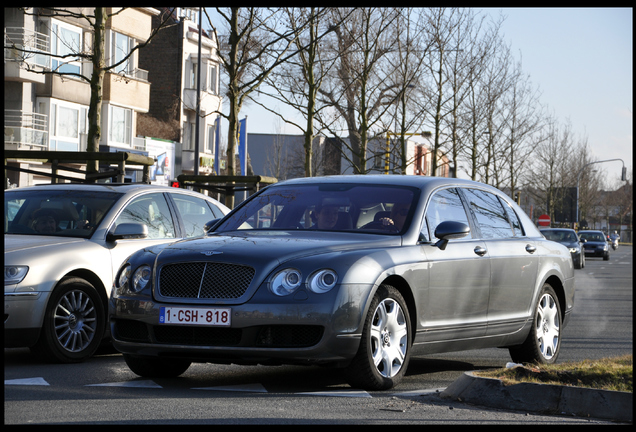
[
  {"x": 358, "y": 272},
  {"x": 64, "y": 243}
]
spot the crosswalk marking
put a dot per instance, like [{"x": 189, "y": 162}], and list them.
[
  {"x": 254, "y": 388},
  {"x": 130, "y": 384},
  {"x": 39, "y": 381},
  {"x": 250, "y": 388}
]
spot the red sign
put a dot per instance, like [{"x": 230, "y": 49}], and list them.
[{"x": 544, "y": 220}]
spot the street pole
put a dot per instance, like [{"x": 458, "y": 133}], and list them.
[{"x": 578, "y": 178}]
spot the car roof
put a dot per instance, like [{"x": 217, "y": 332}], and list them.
[
  {"x": 556, "y": 229},
  {"x": 120, "y": 187},
  {"x": 123, "y": 188},
  {"x": 423, "y": 182}
]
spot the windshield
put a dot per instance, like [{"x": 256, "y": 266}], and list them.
[
  {"x": 592, "y": 237},
  {"x": 560, "y": 236},
  {"x": 327, "y": 207},
  {"x": 56, "y": 212}
]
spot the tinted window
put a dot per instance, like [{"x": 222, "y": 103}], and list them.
[
  {"x": 514, "y": 220},
  {"x": 490, "y": 214},
  {"x": 376, "y": 209},
  {"x": 194, "y": 212},
  {"x": 445, "y": 205},
  {"x": 151, "y": 210}
]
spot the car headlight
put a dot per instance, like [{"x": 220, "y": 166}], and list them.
[
  {"x": 140, "y": 278},
  {"x": 574, "y": 250},
  {"x": 322, "y": 281},
  {"x": 285, "y": 282},
  {"x": 14, "y": 274},
  {"x": 123, "y": 277}
]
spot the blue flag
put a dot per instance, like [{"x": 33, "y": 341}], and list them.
[
  {"x": 243, "y": 145},
  {"x": 217, "y": 145}
]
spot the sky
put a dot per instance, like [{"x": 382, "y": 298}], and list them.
[{"x": 581, "y": 59}]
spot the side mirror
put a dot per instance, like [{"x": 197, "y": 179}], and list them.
[
  {"x": 209, "y": 226},
  {"x": 449, "y": 230},
  {"x": 128, "y": 231},
  {"x": 582, "y": 241}
]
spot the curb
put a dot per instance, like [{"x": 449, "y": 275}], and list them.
[{"x": 544, "y": 398}]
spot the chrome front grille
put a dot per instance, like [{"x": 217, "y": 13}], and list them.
[{"x": 204, "y": 280}]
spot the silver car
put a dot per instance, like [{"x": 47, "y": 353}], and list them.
[
  {"x": 359, "y": 272},
  {"x": 64, "y": 243}
]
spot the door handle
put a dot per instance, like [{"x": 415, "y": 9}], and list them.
[
  {"x": 531, "y": 248},
  {"x": 480, "y": 250}
]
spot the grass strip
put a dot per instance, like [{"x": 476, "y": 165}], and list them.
[{"x": 615, "y": 373}]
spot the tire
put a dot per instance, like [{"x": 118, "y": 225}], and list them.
[
  {"x": 74, "y": 323},
  {"x": 606, "y": 257},
  {"x": 155, "y": 367},
  {"x": 544, "y": 340},
  {"x": 578, "y": 264},
  {"x": 385, "y": 347}
]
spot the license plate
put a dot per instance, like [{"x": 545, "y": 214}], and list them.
[{"x": 195, "y": 316}]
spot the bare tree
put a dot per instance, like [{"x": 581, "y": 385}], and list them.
[
  {"x": 357, "y": 93},
  {"x": 297, "y": 81},
  {"x": 255, "y": 44}
]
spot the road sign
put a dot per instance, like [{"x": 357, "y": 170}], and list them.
[{"x": 544, "y": 220}]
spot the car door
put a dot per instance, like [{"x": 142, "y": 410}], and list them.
[
  {"x": 152, "y": 210},
  {"x": 456, "y": 301},
  {"x": 513, "y": 264}
]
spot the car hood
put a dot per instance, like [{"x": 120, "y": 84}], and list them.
[
  {"x": 13, "y": 242},
  {"x": 264, "y": 248}
]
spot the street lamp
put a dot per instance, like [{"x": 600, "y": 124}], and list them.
[{"x": 578, "y": 178}]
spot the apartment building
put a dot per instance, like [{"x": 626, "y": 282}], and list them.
[
  {"x": 49, "y": 111},
  {"x": 172, "y": 60}
]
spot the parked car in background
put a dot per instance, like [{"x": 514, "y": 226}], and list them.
[
  {"x": 570, "y": 240},
  {"x": 359, "y": 272},
  {"x": 62, "y": 245},
  {"x": 596, "y": 244}
]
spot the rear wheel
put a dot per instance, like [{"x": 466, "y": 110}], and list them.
[
  {"x": 544, "y": 340},
  {"x": 74, "y": 323},
  {"x": 384, "y": 352},
  {"x": 155, "y": 367}
]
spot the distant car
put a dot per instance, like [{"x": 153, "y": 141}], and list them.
[
  {"x": 348, "y": 271},
  {"x": 64, "y": 243},
  {"x": 596, "y": 244},
  {"x": 569, "y": 239}
]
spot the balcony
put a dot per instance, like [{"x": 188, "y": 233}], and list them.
[
  {"x": 25, "y": 131},
  {"x": 26, "y": 52}
]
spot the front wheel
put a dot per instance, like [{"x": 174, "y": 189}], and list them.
[
  {"x": 385, "y": 348},
  {"x": 544, "y": 340},
  {"x": 74, "y": 323}
]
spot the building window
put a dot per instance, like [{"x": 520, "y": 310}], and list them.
[
  {"x": 121, "y": 47},
  {"x": 213, "y": 85},
  {"x": 67, "y": 122},
  {"x": 120, "y": 126},
  {"x": 65, "y": 41},
  {"x": 209, "y": 143}
]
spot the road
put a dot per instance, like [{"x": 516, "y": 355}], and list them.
[{"x": 104, "y": 391}]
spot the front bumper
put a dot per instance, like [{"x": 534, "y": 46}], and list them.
[
  {"x": 596, "y": 252},
  {"x": 23, "y": 316},
  {"x": 308, "y": 329}
]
